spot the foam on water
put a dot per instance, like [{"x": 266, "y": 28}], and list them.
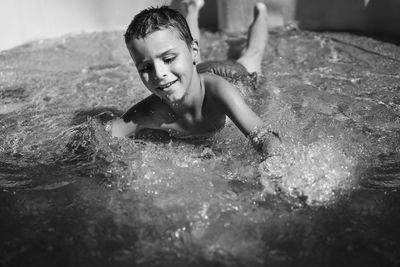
[
  {"x": 74, "y": 195},
  {"x": 314, "y": 173}
]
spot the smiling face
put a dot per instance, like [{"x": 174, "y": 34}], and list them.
[{"x": 165, "y": 63}]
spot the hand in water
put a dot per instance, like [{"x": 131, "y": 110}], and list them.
[{"x": 266, "y": 141}]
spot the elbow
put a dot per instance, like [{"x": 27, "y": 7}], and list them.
[{"x": 120, "y": 128}]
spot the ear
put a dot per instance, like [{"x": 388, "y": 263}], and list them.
[{"x": 195, "y": 52}]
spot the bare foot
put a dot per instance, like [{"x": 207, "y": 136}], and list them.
[
  {"x": 260, "y": 7},
  {"x": 257, "y": 39},
  {"x": 191, "y": 6}
]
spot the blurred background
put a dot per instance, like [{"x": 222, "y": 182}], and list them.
[{"x": 26, "y": 20}]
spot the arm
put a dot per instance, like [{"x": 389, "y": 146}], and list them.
[
  {"x": 145, "y": 114},
  {"x": 263, "y": 139},
  {"x": 235, "y": 107},
  {"x": 120, "y": 128}
]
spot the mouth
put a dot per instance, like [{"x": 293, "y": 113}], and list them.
[{"x": 167, "y": 85}]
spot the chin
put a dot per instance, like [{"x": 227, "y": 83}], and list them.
[{"x": 175, "y": 98}]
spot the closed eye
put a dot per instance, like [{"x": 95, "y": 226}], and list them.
[
  {"x": 144, "y": 67},
  {"x": 169, "y": 60}
]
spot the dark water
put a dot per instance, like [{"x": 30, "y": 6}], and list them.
[{"x": 73, "y": 196}]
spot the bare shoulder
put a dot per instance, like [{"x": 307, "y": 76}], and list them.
[
  {"x": 230, "y": 101},
  {"x": 150, "y": 110},
  {"x": 217, "y": 85},
  {"x": 150, "y": 113},
  {"x": 219, "y": 88}
]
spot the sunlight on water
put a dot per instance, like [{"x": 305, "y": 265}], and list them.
[
  {"x": 314, "y": 173},
  {"x": 73, "y": 195}
]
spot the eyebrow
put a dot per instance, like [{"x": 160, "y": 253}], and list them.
[{"x": 171, "y": 50}]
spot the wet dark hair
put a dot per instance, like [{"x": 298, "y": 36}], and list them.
[{"x": 158, "y": 18}]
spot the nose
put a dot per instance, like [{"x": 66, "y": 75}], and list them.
[{"x": 160, "y": 70}]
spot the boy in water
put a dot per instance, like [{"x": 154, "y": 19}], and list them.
[{"x": 186, "y": 102}]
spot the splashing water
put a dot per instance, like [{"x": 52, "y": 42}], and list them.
[
  {"x": 73, "y": 195},
  {"x": 313, "y": 173}
]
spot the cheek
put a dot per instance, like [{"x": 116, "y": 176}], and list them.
[
  {"x": 145, "y": 78},
  {"x": 184, "y": 68}
]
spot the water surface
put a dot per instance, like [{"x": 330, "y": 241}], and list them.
[{"x": 73, "y": 196}]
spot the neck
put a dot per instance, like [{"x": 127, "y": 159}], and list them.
[{"x": 191, "y": 104}]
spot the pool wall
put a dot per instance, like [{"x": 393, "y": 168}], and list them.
[{"x": 27, "y": 20}]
